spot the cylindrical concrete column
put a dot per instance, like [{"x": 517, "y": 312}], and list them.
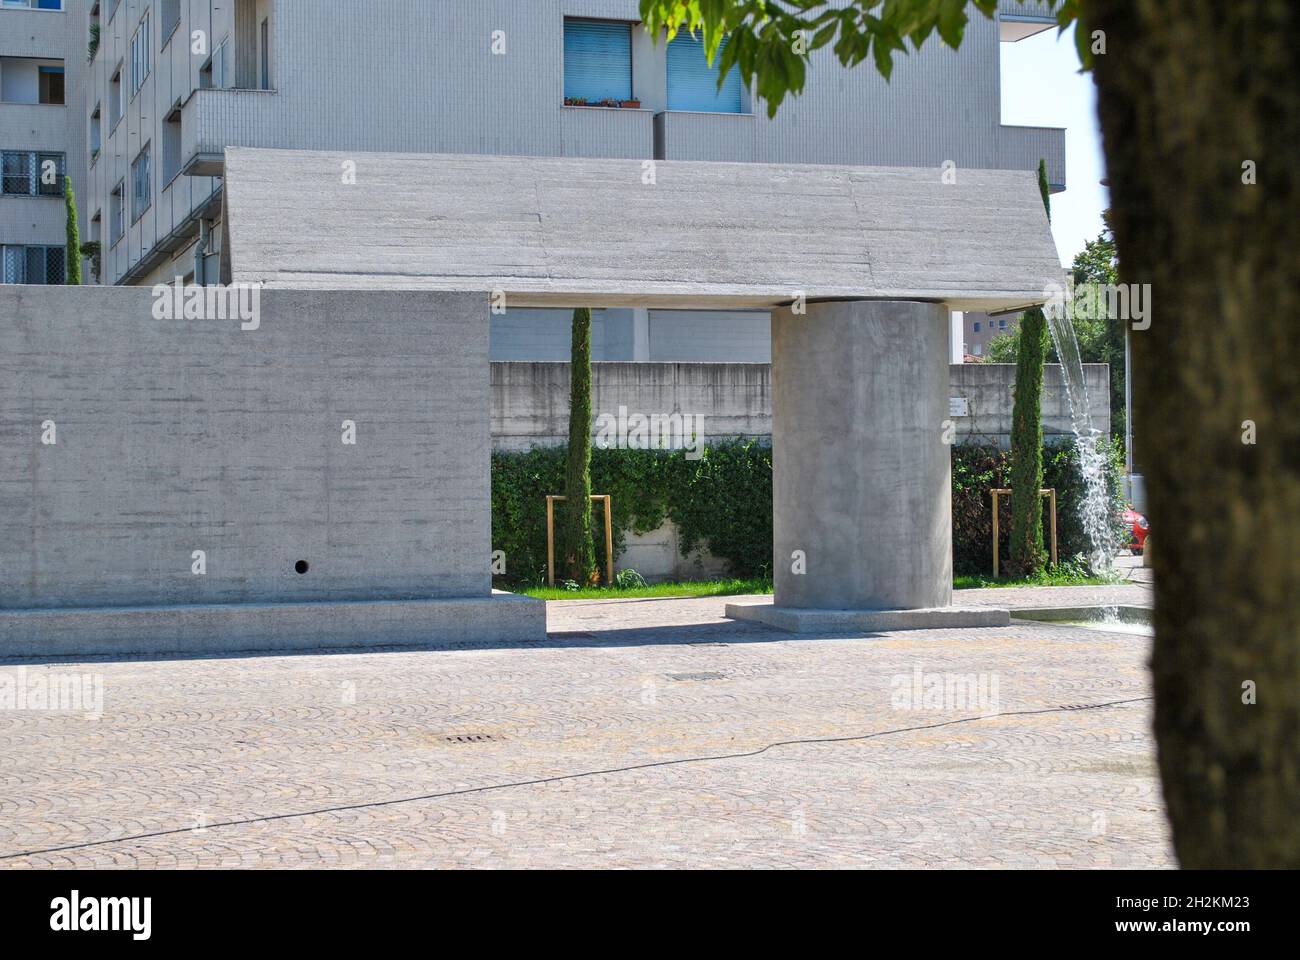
[{"x": 862, "y": 493}]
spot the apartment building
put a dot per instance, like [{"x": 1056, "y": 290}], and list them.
[
  {"x": 980, "y": 328},
  {"x": 172, "y": 83},
  {"x": 43, "y": 48}
]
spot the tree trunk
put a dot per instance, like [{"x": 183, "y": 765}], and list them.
[
  {"x": 1189, "y": 91},
  {"x": 578, "y": 558}
]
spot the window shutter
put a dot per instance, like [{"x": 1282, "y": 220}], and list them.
[
  {"x": 597, "y": 60},
  {"x": 693, "y": 84}
]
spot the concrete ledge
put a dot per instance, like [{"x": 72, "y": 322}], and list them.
[
  {"x": 796, "y": 620},
  {"x": 238, "y": 628}
]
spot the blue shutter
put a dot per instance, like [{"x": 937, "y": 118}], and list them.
[
  {"x": 693, "y": 84},
  {"x": 597, "y": 60}
]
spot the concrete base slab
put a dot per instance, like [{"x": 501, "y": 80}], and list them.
[
  {"x": 267, "y": 627},
  {"x": 798, "y": 620}
]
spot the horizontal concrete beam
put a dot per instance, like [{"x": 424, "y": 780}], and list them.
[{"x": 563, "y": 231}]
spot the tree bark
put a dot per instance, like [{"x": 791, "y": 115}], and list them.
[{"x": 1188, "y": 92}]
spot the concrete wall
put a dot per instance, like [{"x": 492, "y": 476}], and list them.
[
  {"x": 182, "y": 435},
  {"x": 530, "y": 401}
]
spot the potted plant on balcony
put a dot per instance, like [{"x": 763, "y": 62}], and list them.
[{"x": 630, "y": 104}]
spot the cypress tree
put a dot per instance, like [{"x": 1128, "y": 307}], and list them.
[
  {"x": 579, "y": 563},
  {"x": 1025, "y": 556},
  {"x": 72, "y": 275}
]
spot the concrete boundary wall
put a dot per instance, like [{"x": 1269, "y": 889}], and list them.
[
  {"x": 530, "y": 400},
  {"x": 128, "y": 443}
]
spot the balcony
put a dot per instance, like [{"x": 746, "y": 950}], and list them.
[
  {"x": 1018, "y": 20},
  {"x": 684, "y": 135},
  {"x": 606, "y": 132},
  {"x": 31, "y": 32},
  {"x": 1020, "y": 148},
  {"x": 212, "y": 120}
]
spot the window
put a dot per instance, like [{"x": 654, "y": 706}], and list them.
[
  {"x": 140, "y": 54},
  {"x": 34, "y": 4},
  {"x": 19, "y": 174},
  {"x": 979, "y": 349},
  {"x": 170, "y": 10},
  {"x": 977, "y": 326},
  {"x": 50, "y": 170},
  {"x": 597, "y": 60},
  {"x": 212, "y": 75},
  {"x": 141, "y": 185},
  {"x": 96, "y": 134},
  {"x": 117, "y": 213},
  {"x": 51, "y": 85},
  {"x": 116, "y": 100},
  {"x": 266, "y": 54},
  {"x": 28, "y": 173},
  {"x": 1002, "y": 324},
  {"x": 34, "y": 264},
  {"x": 171, "y": 146},
  {"x": 693, "y": 84}
]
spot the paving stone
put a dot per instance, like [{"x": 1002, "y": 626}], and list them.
[{"x": 331, "y": 740}]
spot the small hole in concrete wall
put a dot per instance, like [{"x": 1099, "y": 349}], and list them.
[{"x": 302, "y": 566}]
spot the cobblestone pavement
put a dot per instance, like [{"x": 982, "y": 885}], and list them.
[{"x": 333, "y": 744}]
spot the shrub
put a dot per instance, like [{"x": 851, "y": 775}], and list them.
[
  {"x": 724, "y": 501},
  {"x": 977, "y": 470}
]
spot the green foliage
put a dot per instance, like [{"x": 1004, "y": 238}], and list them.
[
  {"x": 689, "y": 588},
  {"x": 629, "y": 580},
  {"x": 72, "y": 275},
  {"x": 770, "y": 42},
  {"x": 90, "y": 251},
  {"x": 977, "y": 470},
  {"x": 1025, "y": 556},
  {"x": 1005, "y": 347},
  {"x": 723, "y": 499},
  {"x": 1101, "y": 338},
  {"x": 575, "y": 545}
]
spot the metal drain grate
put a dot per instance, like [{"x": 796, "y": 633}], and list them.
[
  {"x": 692, "y": 677},
  {"x": 472, "y": 738}
]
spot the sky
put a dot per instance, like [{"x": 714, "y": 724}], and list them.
[{"x": 1042, "y": 87}]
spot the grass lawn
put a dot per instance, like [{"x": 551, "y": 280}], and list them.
[
  {"x": 690, "y": 588},
  {"x": 719, "y": 588},
  {"x": 1061, "y": 577}
]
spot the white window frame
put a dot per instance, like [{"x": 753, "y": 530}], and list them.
[
  {"x": 141, "y": 177},
  {"x": 141, "y": 55}
]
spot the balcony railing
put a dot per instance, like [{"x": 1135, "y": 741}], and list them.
[
  {"x": 214, "y": 119},
  {"x": 602, "y": 132},
  {"x": 1020, "y": 148}
]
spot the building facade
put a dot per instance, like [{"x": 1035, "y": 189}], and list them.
[
  {"x": 169, "y": 84},
  {"x": 42, "y": 80}
]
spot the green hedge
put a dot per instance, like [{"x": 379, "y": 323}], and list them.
[
  {"x": 724, "y": 500},
  {"x": 977, "y": 470}
]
